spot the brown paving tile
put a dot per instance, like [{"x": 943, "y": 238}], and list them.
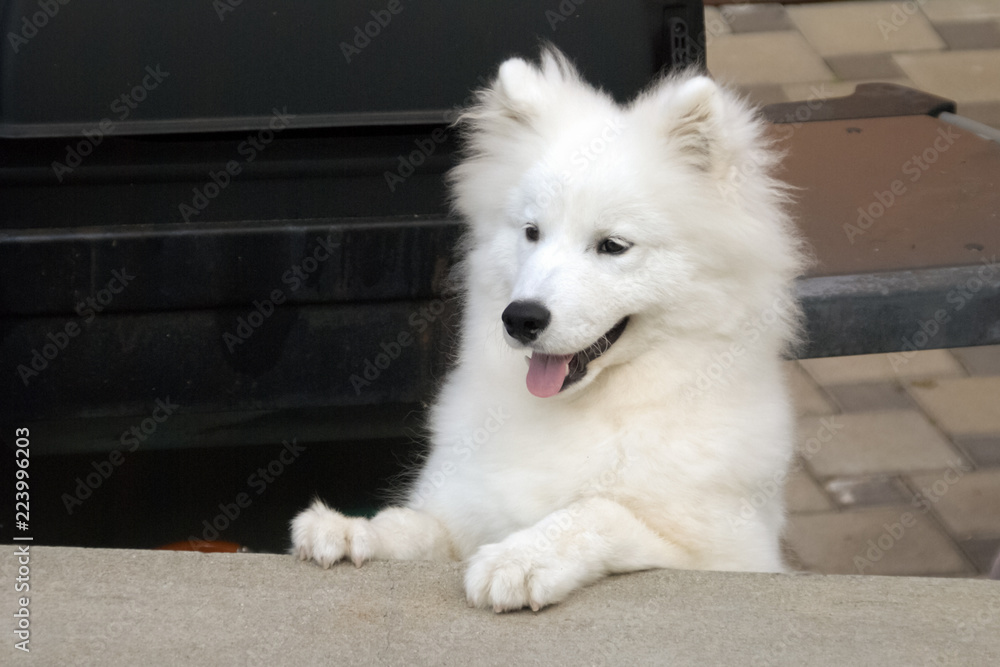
[
  {"x": 869, "y": 491},
  {"x": 863, "y": 27},
  {"x": 983, "y": 553},
  {"x": 961, "y": 406},
  {"x": 765, "y": 17},
  {"x": 882, "y": 367},
  {"x": 980, "y": 360},
  {"x": 870, "y": 396},
  {"x": 970, "y": 34},
  {"x": 867, "y": 443},
  {"x": 968, "y": 504},
  {"x": 983, "y": 452},
  {"x": 803, "y": 494},
  {"x": 864, "y": 66},
  {"x": 895, "y": 540}
]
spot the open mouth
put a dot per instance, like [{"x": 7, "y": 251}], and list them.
[{"x": 548, "y": 374}]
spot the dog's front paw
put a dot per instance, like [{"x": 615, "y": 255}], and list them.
[
  {"x": 517, "y": 573},
  {"x": 326, "y": 536}
]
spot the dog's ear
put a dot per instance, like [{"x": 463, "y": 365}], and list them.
[
  {"x": 692, "y": 118},
  {"x": 522, "y": 90}
]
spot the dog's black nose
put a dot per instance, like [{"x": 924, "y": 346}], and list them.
[{"x": 524, "y": 320}]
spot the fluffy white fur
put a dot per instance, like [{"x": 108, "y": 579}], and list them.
[{"x": 672, "y": 450}]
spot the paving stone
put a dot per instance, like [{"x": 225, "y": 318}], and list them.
[
  {"x": 761, "y": 95},
  {"x": 865, "y": 66},
  {"x": 961, "y": 406},
  {"x": 980, "y": 360},
  {"x": 987, "y": 113},
  {"x": 766, "y": 17},
  {"x": 968, "y": 504},
  {"x": 792, "y": 560},
  {"x": 982, "y": 552},
  {"x": 809, "y": 399},
  {"x": 803, "y": 494},
  {"x": 895, "y": 540},
  {"x": 839, "y": 28},
  {"x": 984, "y": 452},
  {"x": 715, "y": 26},
  {"x": 941, "y": 11},
  {"x": 963, "y": 76},
  {"x": 713, "y": 16},
  {"x": 965, "y": 35},
  {"x": 883, "y": 433},
  {"x": 778, "y": 57},
  {"x": 868, "y": 491},
  {"x": 864, "y": 443},
  {"x": 882, "y": 367},
  {"x": 866, "y": 397}
]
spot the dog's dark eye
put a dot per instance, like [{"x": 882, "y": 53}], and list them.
[
  {"x": 531, "y": 233},
  {"x": 611, "y": 247}
]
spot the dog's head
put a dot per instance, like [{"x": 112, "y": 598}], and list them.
[{"x": 600, "y": 230}]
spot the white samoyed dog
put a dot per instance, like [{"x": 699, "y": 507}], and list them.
[{"x": 618, "y": 401}]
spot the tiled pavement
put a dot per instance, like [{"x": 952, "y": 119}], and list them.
[
  {"x": 899, "y": 463},
  {"x": 781, "y": 53},
  {"x": 899, "y": 456}
]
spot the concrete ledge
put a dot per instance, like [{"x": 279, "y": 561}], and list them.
[{"x": 101, "y": 606}]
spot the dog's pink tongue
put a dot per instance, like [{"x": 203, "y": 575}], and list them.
[{"x": 546, "y": 373}]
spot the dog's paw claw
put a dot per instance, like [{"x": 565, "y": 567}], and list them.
[
  {"x": 511, "y": 575},
  {"x": 325, "y": 536}
]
